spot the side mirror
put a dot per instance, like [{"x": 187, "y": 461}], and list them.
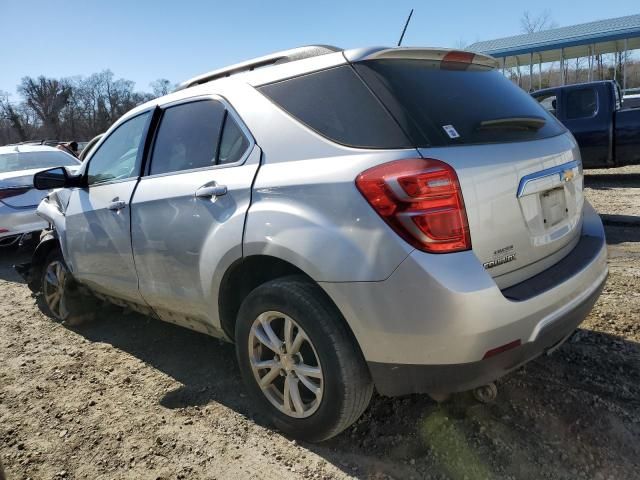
[{"x": 53, "y": 178}]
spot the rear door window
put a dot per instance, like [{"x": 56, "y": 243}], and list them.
[
  {"x": 338, "y": 105},
  {"x": 458, "y": 105},
  {"x": 197, "y": 134},
  {"x": 581, "y": 103},
  {"x": 188, "y": 137}
]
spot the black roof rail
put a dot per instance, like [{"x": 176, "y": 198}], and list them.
[{"x": 276, "y": 58}]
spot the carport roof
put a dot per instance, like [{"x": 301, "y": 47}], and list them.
[{"x": 603, "y": 36}]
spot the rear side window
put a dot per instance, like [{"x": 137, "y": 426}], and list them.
[
  {"x": 581, "y": 103},
  {"x": 336, "y": 104},
  {"x": 456, "y": 106},
  {"x": 233, "y": 143}
]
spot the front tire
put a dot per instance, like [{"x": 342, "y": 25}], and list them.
[
  {"x": 298, "y": 360},
  {"x": 55, "y": 286},
  {"x": 63, "y": 299}
]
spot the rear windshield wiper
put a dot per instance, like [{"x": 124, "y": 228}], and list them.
[{"x": 514, "y": 123}]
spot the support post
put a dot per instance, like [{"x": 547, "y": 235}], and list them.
[
  {"x": 624, "y": 67},
  {"x": 539, "y": 71},
  {"x": 530, "y": 71},
  {"x": 562, "y": 66},
  {"x": 615, "y": 62}
]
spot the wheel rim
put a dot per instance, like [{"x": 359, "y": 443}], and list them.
[
  {"x": 285, "y": 364},
  {"x": 53, "y": 289}
]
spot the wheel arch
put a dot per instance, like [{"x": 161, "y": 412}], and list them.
[
  {"x": 48, "y": 242},
  {"x": 248, "y": 273}
]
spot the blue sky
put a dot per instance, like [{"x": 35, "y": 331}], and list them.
[{"x": 143, "y": 40}]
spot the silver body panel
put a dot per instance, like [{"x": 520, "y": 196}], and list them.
[
  {"x": 293, "y": 197},
  {"x": 447, "y": 309},
  {"x": 183, "y": 244},
  {"x": 504, "y": 220}
]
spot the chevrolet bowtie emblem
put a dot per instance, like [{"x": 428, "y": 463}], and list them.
[{"x": 567, "y": 175}]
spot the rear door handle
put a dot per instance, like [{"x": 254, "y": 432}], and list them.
[
  {"x": 212, "y": 191},
  {"x": 117, "y": 205}
]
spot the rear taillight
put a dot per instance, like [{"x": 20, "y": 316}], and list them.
[
  {"x": 12, "y": 191},
  {"x": 421, "y": 200}
]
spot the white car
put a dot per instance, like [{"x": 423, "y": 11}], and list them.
[{"x": 18, "y": 198}]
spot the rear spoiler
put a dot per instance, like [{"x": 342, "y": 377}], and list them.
[{"x": 444, "y": 55}]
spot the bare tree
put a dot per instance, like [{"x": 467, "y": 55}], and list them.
[
  {"x": 536, "y": 23},
  {"x": 70, "y": 108},
  {"x": 47, "y": 97},
  {"x": 461, "y": 44},
  {"x": 161, "y": 87},
  {"x": 530, "y": 23}
]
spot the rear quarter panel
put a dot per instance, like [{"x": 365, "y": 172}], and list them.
[{"x": 305, "y": 207}]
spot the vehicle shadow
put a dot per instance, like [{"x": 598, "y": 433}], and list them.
[
  {"x": 10, "y": 256},
  {"x": 451, "y": 438},
  {"x": 602, "y": 181},
  {"x": 621, "y": 230},
  {"x": 205, "y": 366}
]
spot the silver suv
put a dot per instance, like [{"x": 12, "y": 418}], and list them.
[{"x": 399, "y": 218}]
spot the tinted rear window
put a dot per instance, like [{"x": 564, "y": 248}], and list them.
[
  {"x": 447, "y": 106},
  {"x": 338, "y": 105}
]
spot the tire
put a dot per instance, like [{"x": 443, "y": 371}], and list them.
[
  {"x": 62, "y": 299},
  {"x": 326, "y": 404}
]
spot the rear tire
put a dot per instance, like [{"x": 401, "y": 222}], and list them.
[{"x": 315, "y": 380}]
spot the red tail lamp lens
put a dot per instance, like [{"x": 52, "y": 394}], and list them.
[{"x": 421, "y": 200}]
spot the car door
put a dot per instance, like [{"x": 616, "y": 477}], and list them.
[
  {"x": 590, "y": 123},
  {"x": 98, "y": 224},
  {"x": 188, "y": 211}
]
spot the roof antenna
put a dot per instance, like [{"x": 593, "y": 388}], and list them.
[{"x": 405, "y": 27}]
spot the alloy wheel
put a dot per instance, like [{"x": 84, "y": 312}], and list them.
[
  {"x": 54, "y": 289},
  {"x": 285, "y": 364}
]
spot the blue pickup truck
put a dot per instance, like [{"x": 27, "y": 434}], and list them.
[{"x": 607, "y": 131}]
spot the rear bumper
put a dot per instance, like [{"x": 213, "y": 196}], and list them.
[
  {"x": 428, "y": 326},
  {"x": 395, "y": 379}
]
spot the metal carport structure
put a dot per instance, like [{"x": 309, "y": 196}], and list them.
[{"x": 559, "y": 44}]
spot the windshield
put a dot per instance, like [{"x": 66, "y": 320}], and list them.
[
  {"x": 440, "y": 106},
  {"x": 17, "y": 161}
]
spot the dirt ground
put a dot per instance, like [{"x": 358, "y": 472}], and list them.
[{"x": 129, "y": 397}]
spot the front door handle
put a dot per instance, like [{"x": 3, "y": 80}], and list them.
[
  {"x": 212, "y": 191},
  {"x": 117, "y": 205}
]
